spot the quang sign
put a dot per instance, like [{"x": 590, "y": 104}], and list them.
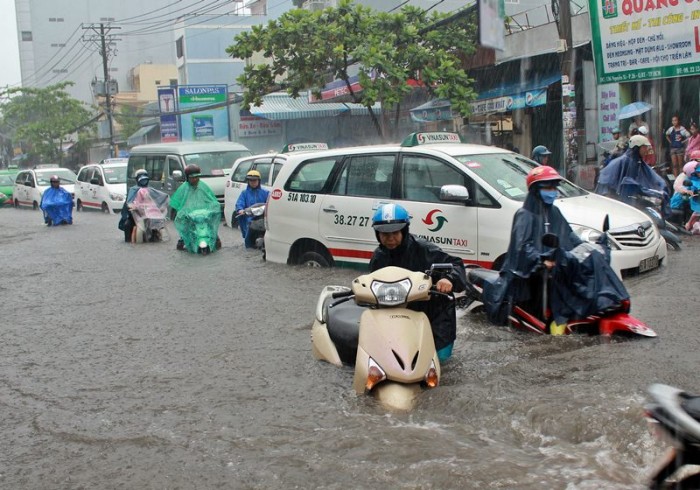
[
  {"x": 645, "y": 39},
  {"x": 531, "y": 98}
]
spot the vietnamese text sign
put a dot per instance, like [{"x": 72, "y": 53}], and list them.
[
  {"x": 532, "y": 98},
  {"x": 253, "y": 127},
  {"x": 608, "y": 107},
  {"x": 169, "y": 129},
  {"x": 209, "y": 124},
  {"x": 645, "y": 39}
]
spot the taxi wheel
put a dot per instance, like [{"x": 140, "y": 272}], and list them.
[
  {"x": 16, "y": 204},
  {"x": 35, "y": 205},
  {"x": 105, "y": 208},
  {"x": 313, "y": 259},
  {"x": 79, "y": 205}
]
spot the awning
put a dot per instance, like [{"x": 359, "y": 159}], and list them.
[
  {"x": 515, "y": 95},
  {"x": 280, "y": 107},
  {"x": 434, "y": 110},
  {"x": 140, "y": 136}
]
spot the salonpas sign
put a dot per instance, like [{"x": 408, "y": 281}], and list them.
[{"x": 645, "y": 39}]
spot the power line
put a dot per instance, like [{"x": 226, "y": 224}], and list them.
[{"x": 163, "y": 25}]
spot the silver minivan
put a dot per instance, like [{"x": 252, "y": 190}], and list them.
[{"x": 166, "y": 162}]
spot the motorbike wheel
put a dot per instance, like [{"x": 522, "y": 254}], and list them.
[
  {"x": 79, "y": 205},
  {"x": 105, "y": 208},
  {"x": 35, "y": 205},
  {"x": 204, "y": 250}
]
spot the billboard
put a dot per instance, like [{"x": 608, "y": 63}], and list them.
[
  {"x": 167, "y": 105},
  {"x": 644, "y": 40},
  {"x": 209, "y": 124}
]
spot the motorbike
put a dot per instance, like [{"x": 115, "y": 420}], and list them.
[
  {"x": 653, "y": 203},
  {"x": 198, "y": 230},
  {"x": 149, "y": 210},
  {"x": 256, "y": 225},
  {"x": 390, "y": 346},
  {"x": 674, "y": 418},
  {"x": 57, "y": 206},
  {"x": 613, "y": 320}
]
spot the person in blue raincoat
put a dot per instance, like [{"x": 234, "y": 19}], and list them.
[
  {"x": 576, "y": 288},
  {"x": 253, "y": 194},
  {"x": 627, "y": 175},
  {"x": 57, "y": 204}
]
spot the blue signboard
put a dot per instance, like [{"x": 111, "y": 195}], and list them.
[{"x": 167, "y": 104}]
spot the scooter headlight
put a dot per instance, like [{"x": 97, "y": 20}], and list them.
[
  {"x": 391, "y": 293},
  {"x": 375, "y": 374},
  {"x": 431, "y": 377},
  {"x": 203, "y": 244}
]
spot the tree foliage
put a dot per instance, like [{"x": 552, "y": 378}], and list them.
[
  {"x": 129, "y": 119},
  {"x": 304, "y": 50},
  {"x": 44, "y": 118}
]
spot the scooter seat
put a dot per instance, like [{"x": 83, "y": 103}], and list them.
[
  {"x": 344, "y": 329},
  {"x": 479, "y": 277}
]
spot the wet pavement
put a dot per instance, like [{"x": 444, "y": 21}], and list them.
[{"x": 138, "y": 366}]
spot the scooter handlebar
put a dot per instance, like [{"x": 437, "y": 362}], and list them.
[{"x": 341, "y": 294}]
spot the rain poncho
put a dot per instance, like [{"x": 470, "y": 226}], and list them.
[
  {"x": 57, "y": 205},
  {"x": 198, "y": 215},
  {"x": 149, "y": 207},
  {"x": 418, "y": 255},
  {"x": 247, "y": 198},
  {"x": 626, "y": 175},
  {"x": 581, "y": 284}
]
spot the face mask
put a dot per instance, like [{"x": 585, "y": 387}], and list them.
[
  {"x": 549, "y": 196},
  {"x": 142, "y": 182}
]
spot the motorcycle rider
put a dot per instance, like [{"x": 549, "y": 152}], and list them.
[
  {"x": 624, "y": 176},
  {"x": 397, "y": 247},
  {"x": 57, "y": 198},
  {"x": 253, "y": 194},
  {"x": 191, "y": 193},
  {"x": 126, "y": 223},
  {"x": 574, "y": 290},
  {"x": 541, "y": 154}
]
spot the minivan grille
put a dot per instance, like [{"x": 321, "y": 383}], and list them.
[{"x": 634, "y": 236}]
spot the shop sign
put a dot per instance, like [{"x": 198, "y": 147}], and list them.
[
  {"x": 254, "y": 127},
  {"x": 645, "y": 39},
  {"x": 532, "y": 98},
  {"x": 608, "y": 108},
  {"x": 167, "y": 105}
]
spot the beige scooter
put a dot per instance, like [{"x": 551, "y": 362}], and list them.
[{"x": 391, "y": 346}]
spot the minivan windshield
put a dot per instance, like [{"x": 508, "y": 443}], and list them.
[
  {"x": 213, "y": 164},
  {"x": 506, "y": 173}
]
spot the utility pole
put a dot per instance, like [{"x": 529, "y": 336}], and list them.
[
  {"x": 562, "y": 13},
  {"x": 109, "y": 86}
]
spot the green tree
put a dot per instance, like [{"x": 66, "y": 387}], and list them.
[
  {"x": 129, "y": 119},
  {"x": 44, "y": 118},
  {"x": 304, "y": 50}
]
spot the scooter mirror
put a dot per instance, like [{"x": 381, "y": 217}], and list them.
[{"x": 550, "y": 240}]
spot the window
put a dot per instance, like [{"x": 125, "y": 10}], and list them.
[
  {"x": 179, "y": 47},
  {"x": 173, "y": 164},
  {"x": 154, "y": 167},
  {"x": 311, "y": 176},
  {"x": 52, "y": 19},
  {"x": 275, "y": 171},
  {"x": 213, "y": 164},
  {"x": 157, "y": 82},
  {"x": 368, "y": 176},
  {"x": 83, "y": 174},
  {"x": 26, "y": 35},
  {"x": 21, "y": 177},
  {"x": 238, "y": 175},
  {"x": 263, "y": 166},
  {"x": 422, "y": 177},
  {"x": 173, "y": 82}
]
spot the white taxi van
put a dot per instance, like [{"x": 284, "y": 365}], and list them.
[
  {"x": 31, "y": 184},
  {"x": 268, "y": 164},
  {"x": 461, "y": 197},
  {"x": 166, "y": 162},
  {"x": 102, "y": 186}
]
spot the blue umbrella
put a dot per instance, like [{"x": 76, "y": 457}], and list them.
[{"x": 634, "y": 109}]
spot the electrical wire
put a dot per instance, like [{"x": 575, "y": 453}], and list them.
[{"x": 163, "y": 25}]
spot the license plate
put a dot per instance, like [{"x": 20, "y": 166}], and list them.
[{"x": 649, "y": 263}]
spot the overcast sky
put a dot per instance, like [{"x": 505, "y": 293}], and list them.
[{"x": 9, "y": 68}]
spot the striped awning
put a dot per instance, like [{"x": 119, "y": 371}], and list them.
[
  {"x": 140, "y": 136},
  {"x": 281, "y": 107}
]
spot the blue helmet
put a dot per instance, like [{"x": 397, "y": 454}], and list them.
[
  {"x": 390, "y": 218},
  {"x": 539, "y": 152}
]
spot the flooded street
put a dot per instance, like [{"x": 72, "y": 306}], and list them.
[{"x": 143, "y": 367}]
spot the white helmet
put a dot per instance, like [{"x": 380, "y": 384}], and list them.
[{"x": 639, "y": 140}]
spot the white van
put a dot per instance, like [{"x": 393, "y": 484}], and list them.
[
  {"x": 320, "y": 209},
  {"x": 31, "y": 184},
  {"x": 268, "y": 164},
  {"x": 102, "y": 186},
  {"x": 166, "y": 162}
]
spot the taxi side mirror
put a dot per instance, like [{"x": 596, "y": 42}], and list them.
[{"x": 454, "y": 193}]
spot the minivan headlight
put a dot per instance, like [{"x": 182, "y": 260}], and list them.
[{"x": 391, "y": 293}]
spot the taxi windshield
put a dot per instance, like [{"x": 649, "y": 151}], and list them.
[
  {"x": 66, "y": 176},
  {"x": 6, "y": 180},
  {"x": 215, "y": 164},
  {"x": 506, "y": 173},
  {"x": 115, "y": 175}
]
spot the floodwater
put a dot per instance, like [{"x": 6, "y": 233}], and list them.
[{"x": 138, "y": 366}]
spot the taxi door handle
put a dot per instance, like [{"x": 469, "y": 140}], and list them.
[{"x": 330, "y": 209}]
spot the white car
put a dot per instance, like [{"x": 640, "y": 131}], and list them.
[
  {"x": 461, "y": 197},
  {"x": 268, "y": 164},
  {"x": 30, "y": 185},
  {"x": 102, "y": 186}
]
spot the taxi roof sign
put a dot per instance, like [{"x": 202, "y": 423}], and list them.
[
  {"x": 417, "y": 139},
  {"x": 294, "y": 147}
]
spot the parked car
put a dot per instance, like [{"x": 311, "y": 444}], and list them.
[
  {"x": 462, "y": 197},
  {"x": 102, "y": 186},
  {"x": 268, "y": 164},
  {"x": 166, "y": 162},
  {"x": 7, "y": 181},
  {"x": 30, "y": 185}
]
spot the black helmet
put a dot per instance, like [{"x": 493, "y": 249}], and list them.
[
  {"x": 539, "y": 152},
  {"x": 193, "y": 171}
]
